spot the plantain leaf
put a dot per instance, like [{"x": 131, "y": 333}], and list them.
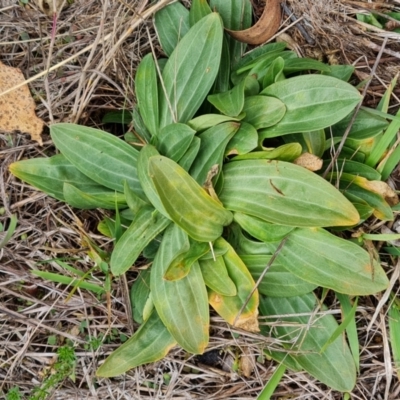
[
  {"x": 174, "y": 140},
  {"x": 236, "y": 15},
  {"x": 146, "y": 88},
  {"x": 212, "y": 149},
  {"x": 312, "y": 102},
  {"x": 191, "y": 70},
  {"x": 216, "y": 276},
  {"x": 147, "y": 224},
  {"x": 284, "y": 193},
  {"x": 139, "y": 125},
  {"x": 323, "y": 259},
  {"x": 205, "y": 121},
  {"x": 228, "y": 307},
  {"x": 188, "y": 158},
  {"x": 274, "y": 72},
  {"x": 187, "y": 203},
  {"x": 92, "y": 197},
  {"x": 99, "y": 155},
  {"x": 181, "y": 264},
  {"x": 198, "y": 10},
  {"x": 139, "y": 295},
  {"x": 50, "y": 174},
  {"x": 145, "y": 180},
  {"x": 303, "y": 64},
  {"x": 150, "y": 343},
  {"x": 261, "y": 230},
  {"x": 244, "y": 140},
  {"x": 263, "y": 111},
  {"x": 132, "y": 200},
  {"x": 277, "y": 282},
  {"x": 231, "y": 102},
  {"x": 335, "y": 367},
  {"x": 287, "y": 152},
  {"x": 171, "y": 23},
  {"x": 182, "y": 304},
  {"x": 394, "y": 332}
]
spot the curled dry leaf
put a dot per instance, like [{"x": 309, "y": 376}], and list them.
[
  {"x": 309, "y": 161},
  {"x": 264, "y": 28},
  {"x": 246, "y": 362},
  {"x": 17, "y": 108}
]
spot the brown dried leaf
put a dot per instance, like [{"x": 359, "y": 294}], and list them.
[
  {"x": 17, "y": 108},
  {"x": 309, "y": 161},
  {"x": 384, "y": 190},
  {"x": 264, "y": 28},
  {"x": 246, "y": 362}
]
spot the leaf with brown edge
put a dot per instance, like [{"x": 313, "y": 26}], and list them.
[
  {"x": 17, "y": 108},
  {"x": 264, "y": 28}
]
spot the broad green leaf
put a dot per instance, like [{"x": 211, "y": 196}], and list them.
[
  {"x": 198, "y": 10},
  {"x": 236, "y": 15},
  {"x": 150, "y": 343},
  {"x": 261, "y": 230},
  {"x": 274, "y": 72},
  {"x": 244, "y": 141},
  {"x": 357, "y": 188},
  {"x": 148, "y": 223},
  {"x": 117, "y": 117},
  {"x": 174, "y": 140},
  {"x": 188, "y": 158},
  {"x": 335, "y": 367},
  {"x": 277, "y": 282},
  {"x": 263, "y": 111},
  {"x": 186, "y": 202},
  {"x": 182, "y": 305},
  {"x": 212, "y": 149},
  {"x": 287, "y": 152},
  {"x": 323, "y": 259},
  {"x": 181, "y": 264},
  {"x": 312, "y": 101},
  {"x": 139, "y": 295},
  {"x": 99, "y": 197},
  {"x": 351, "y": 327},
  {"x": 228, "y": 307},
  {"x": 191, "y": 70},
  {"x": 171, "y": 23},
  {"x": 69, "y": 281},
  {"x": 139, "y": 125},
  {"x": 223, "y": 80},
  {"x": 267, "y": 51},
  {"x": 145, "y": 180},
  {"x": 303, "y": 64},
  {"x": 284, "y": 193},
  {"x": 230, "y": 102},
  {"x": 99, "y": 155},
  {"x": 311, "y": 142},
  {"x": 132, "y": 200},
  {"x": 251, "y": 86},
  {"x": 206, "y": 121},
  {"x": 355, "y": 168},
  {"x": 216, "y": 276},
  {"x": 243, "y": 245},
  {"x": 342, "y": 72},
  {"x": 50, "y": 174},
  {"x": 146, "y": 89},
  {"x": 260, "y": 68}
]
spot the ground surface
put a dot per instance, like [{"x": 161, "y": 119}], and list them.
[{"x": 93, "y": 57}]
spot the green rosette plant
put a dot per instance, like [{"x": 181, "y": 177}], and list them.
[{"x": 213, "y": 195}]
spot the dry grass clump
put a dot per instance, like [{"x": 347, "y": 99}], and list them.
[{"x": 81, "y": 65}]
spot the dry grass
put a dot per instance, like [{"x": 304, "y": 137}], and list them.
[{"x": 86, "y": 69}]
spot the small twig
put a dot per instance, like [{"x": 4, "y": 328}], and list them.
[
  {"x": 299, "y": 25},
  {"x": 270, "y": 262},
  {"x": 347, "y": 132}
]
